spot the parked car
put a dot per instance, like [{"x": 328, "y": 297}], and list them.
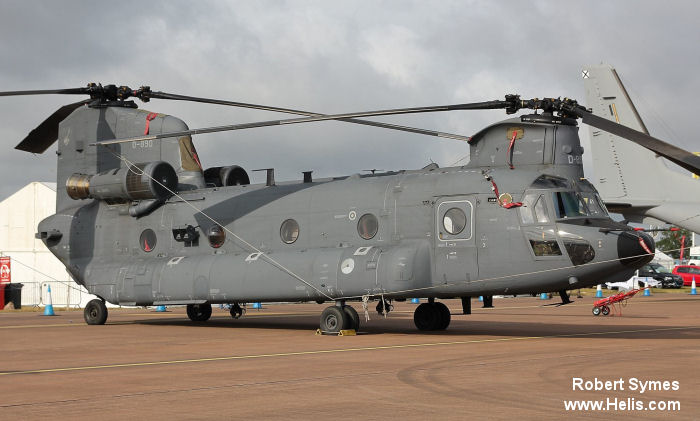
[
  {"x": 687, "y": 272},
  {"x": 630, "y": 284},
  {"x": 661, "y": 274}
]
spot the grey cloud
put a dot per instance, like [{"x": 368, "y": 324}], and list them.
[{"x": 337, "y": 57}]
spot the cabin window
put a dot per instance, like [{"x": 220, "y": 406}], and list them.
[
  {"x": 216, "y": 236},
  {"x": 148, "y": 240},
  {"x": 454, "y": 221},
  {"x": 289, "y": 231},
  {"x": 367, "y": 226}
]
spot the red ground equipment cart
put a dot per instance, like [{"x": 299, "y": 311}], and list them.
[{"x": 614, "y": 302}]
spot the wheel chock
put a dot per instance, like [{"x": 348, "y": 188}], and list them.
[{"x": 342, "y": 332}]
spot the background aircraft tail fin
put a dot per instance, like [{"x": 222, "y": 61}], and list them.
[{"x": 624, "y": 172}]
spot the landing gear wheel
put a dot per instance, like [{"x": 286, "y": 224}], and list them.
[
  {"x": 427, "y": 317},
  {"x": 605, "y": 310},
  {"x": 334, "y": 319},
  {"x": 353, "y": 318},
  {"x": 199, "y": 312},
  {"x": 596, "y": 311},
  {"x": 445, "y": 316},
  {"x": 236, "y": 311},
  {"x": 95, "y": 312}
]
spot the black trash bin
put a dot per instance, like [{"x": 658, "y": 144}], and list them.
[
  {"x": 13, "y": 292},
  {"x": 6, "y": 293}
]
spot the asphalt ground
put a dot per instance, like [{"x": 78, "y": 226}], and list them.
[{"x": 515, "y": 361}]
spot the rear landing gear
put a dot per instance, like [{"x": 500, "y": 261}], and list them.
[
  {"x": 432, "y": 316},
  {"x": 95, "y": 312},
  {"x": 336, "y": 318},
  {"x": 199, "y": 312}
]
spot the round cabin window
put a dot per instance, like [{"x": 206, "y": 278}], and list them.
[
  {"x": 454, "y": 221},
  {"x": 289, "y": 231},
  {"x": 367, "y": 226},
  {"x": 216, "y": 236},
  {"x": 148, "y": 240}
]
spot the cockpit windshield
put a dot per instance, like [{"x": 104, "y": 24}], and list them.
[
  {"x": 571, "y": 204},
  {"x": 595, "y": 205},
  {"x": 593, "y": 201}
]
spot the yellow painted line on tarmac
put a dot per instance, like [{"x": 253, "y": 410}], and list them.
[
  {"x": 46, "y": 325},
  {"x": 333, "y": 351}
]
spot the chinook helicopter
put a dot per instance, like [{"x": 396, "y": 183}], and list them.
[{"x": 141, "y": 222}]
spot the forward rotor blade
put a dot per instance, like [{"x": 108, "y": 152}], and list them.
[
  {"x": 69, "y": 91},
  {"x": 165, "y": 95},
  {"x": 681, "y": 157},
  {"x": 489, "y": 105},
  {"x": 46, "y": 133}
]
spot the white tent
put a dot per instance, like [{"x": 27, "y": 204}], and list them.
[
  {"x": 32, "y": 264},
  {"x": 664, "y": 260}
]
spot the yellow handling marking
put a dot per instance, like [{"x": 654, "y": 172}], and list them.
[
  {"x": 617, "y": 118},
  {"x": 332, "y": 351}
]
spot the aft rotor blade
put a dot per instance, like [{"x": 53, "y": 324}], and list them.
[
  {"x": 489, "y": 105},
  {"x": 46, "y": 133},
  {"x": 681, "y": 157},
  {"x": 68, "y": 91},
  {"x": 165, "y": 95}
]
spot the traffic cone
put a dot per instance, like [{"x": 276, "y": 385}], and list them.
[
  {"x": 599, "y": 292},
  {"x": 160, "y": 309},
  {"x": 48, "y": 310},
  {"x": 257, "y": 306},
  {"x": 647, "y": 290},
  {"x": 415, "y": 300},
  {"x": 693, "y": 289},
  {"x": 544, "y": 296}
]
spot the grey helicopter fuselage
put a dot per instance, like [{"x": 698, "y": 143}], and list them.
[{"x": 434, "y": 232}]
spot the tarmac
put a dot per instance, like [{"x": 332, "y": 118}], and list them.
[{"x": 518, "y": 360}]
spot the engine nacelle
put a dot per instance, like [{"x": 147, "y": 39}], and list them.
[
  {"x": 232, "y": 175},
  {"x": 150, "y": 180}
]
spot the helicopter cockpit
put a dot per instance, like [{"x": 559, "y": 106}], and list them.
[{"x": 568, "y": 200}]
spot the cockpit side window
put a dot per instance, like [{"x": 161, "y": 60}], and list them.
[
  {"x": 534, "y": 209},
  {"x": 526, "y": 210},
  {"x": 541, "y": 211}
]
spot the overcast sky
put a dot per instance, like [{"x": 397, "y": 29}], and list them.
[{"x": 334, "y": 57}]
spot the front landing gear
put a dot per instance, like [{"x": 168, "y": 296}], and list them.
[
  {"x": 95, "y": 312},
  {"x": 339, "y": 317},
  {"x": 432, "y": 316},
  {"x": 199, "y": 312}
]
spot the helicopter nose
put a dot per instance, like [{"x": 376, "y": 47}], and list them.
[{"x": 635, "y": 248}]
